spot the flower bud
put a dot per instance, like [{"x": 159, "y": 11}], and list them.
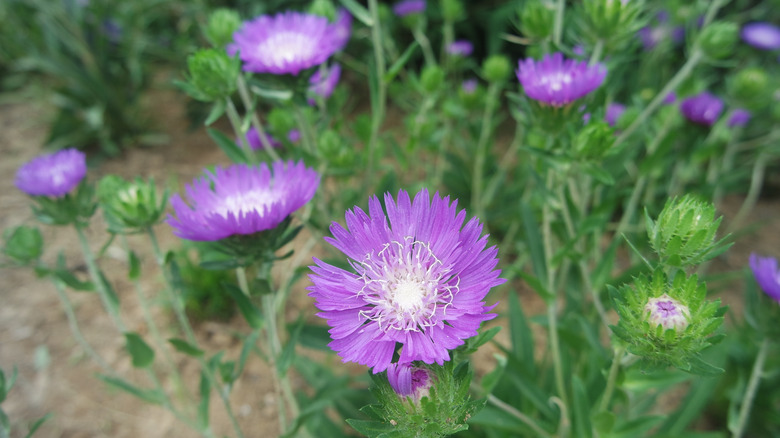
[
  {"x": 537, "y": 19},
  {"x": 410, "y": 381},
  {"x": 496, "y": 68},
  {"x": 432, "y": 78},
  {"x": 594, "y": 140},
  {"x": 611, "y": 20},
  {"x": 324, "y": 8},
  {"x": 717, "y": 40},
  {"x": 24, "y": 245},
  {"x": 331, "y": 147},
  {"x": 221, "y": 26},
  {"x": 130, "y": 206},
  {"x": 684, "y": 233},
  {"x": 749, "y": 84},
  {"x": 667, "y": 312},
  {"x": 452, "y": 10},
  {"x": 213, "y": 75}
]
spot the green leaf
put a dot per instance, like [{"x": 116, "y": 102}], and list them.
[
  {"x": 533, "y": 239},
  {"x": 216, "y": 112},
  {"x": 185, "y": 347},
  {"x": 521, "y": 335},
  {"x": 358, "y": 11},
  {"x": 220, "y": 265},
  {"x": 371, "y": 429},
  {"x": 491, "y": 379},
  {"x": 135, "y": 266},
  {"x": 113, "y": 298},
  {"x": 288, "y": 352},
  {"x": 141, "y": 353},
  {"x": 228, "y": 146},
  {"x": 152, "y": 396},
  {"x": 205, "y": 396},
  {"x": 399, "y": 64},
  {"x": 701, "y": 368},
  {"x": 581, "y": 411},
  {"x": 38, "y": 423},
  {"x": 604, "y": 422},
  {"x": 251, "y": 313}
]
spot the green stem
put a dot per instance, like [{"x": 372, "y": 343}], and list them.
[
  {"x": 425, "y": 44},
  {"x": 507, "y": 161},
  {"x": 598, "y": 49},
  {"x": 181, "y": 316},
  {"x": 243, "y": 91},
  {"x": 528, "y": 421},
  {"x": 67, "y": 306},
  {"x": 98, "y": 279},
  {"x": 756, "y": 181},
  {"x": 558, "y": 26},
  {"x": 479, "y": 162},
  {"x": 612, "y": 378},
  {"x": 750, "y": 392},
  {"x": 307, "y": 133},
  {"x": 243, "y": 284},
  {"x": 235, "y": 121},
  {"x": 672, "y": 85},
  {"x": 378, "y": 107}
]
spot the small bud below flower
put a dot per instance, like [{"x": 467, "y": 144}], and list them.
[
  {"x": 718, "y": 39},
  {"x": 222, "y": 24},
  {"x": 749, "y": 84},
  {"x": 452, "y": 10},
  {"x": 410, "y": 381},
  {"x": 496, "y": 68},
  {"x": 432, "y": 78},
  {"x": 667, "y": 312},
  {"x": 537, "y": 19}
]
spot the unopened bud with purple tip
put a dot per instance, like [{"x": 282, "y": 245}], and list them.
[
  {"x": 667, "y": 312},
  {"x": 410, "y": 381}
]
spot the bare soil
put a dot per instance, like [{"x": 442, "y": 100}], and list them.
[{"x": 57, "y": 378}]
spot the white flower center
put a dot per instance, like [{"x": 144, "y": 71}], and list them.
[
  {"x": 286, "y": 47},
  {"x": 557, "y": 80},
  {"x": 406, "y": 287},
  {"x": 237, "y": 203}
]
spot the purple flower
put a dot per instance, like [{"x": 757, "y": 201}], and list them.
[
  {"x": 408, "y": 7},
  {"x": 578, "y": 50},
  {"x": 670, "y": 98},
  {"x": 764, "y": 36},
  {"x": 462, "y": 48},
  {"x": 253, "y": 139},
  {"x": 614, "y": 111},
  {"x": 558, "y": 81},
  {"x": 419, "y": 281},
  {"x": 739, "y": 117},
  {"x": 53, "y": 174},
  {"x": 294, "y": 136},
  {"x": 241, "y": 199},
  {"x": 767, "y": 275},
  {"x": 323, "y": 84},
  {"x": 651, "y": 36},
  {"x": 409, "y": 381},
  {"x": 286, "y": 43},
  {"x": 469, "y": 86},
  {"x": 342, "y": 28},
  {"x": 703, "y": 108}
]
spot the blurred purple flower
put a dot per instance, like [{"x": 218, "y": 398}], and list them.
[
  {"x": 462, "y": 48},
  {"x": 558, "y": 81},
  {"x": 323, "y": 85},
  {"x": 578, "y": 50},
  {"x": 419, "y": 281},
  {"x": 761, "y": 35},
  {"x": 614, "y": 111},
  {"x": 253, "y": 139},
  {"x": 661, "y": 29},
  {"x": 294, "y": 136},
  {"x": 286, "y": 43},
  {"x": 766, "y": 274},
  {"x": 670, "y": 98},
  {"x": 342, "y": 28},
  {"x": 241, "y": 199},
  {"x": 53, "y": 174},
  {"x": 409, "y": 381},
  {"x": 703, "y": 108},
  {"x": 739, "y": 117},
  {"x": 469, "y": 86},
  {"x": 408, "y": 7}
]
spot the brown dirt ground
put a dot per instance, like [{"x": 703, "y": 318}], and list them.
[{"x": 32, "y": 322}]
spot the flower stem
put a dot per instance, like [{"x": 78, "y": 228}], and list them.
[
  {"x": 756, "y": 181},
  {"x": 235, "y": 121},
  {"x": 307, "y": 133},
  {"x": 378, "y": 106},
  {"x": 243, "y": 284},
  {"x": 558, "y": 25},
  {"x": 479, "y": 162},
  {"x": 528, "y": 421},
  {"x": 181, "y": 316},
  {"x": 611, "y": 378},
  {"x": 750, "y": 392},
  {"x": 681, "y": 75},
  {"x": 98, "y": 279},
  {"x": 598, "y": 49},
  {"x": 243, "y": 91},
  {"x": 425, "y": 44},
  {"x": 67, "y": 306}
]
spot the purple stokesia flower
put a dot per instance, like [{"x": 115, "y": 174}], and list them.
[
  {"x": 739, "y": 117},
  {"x": 703, "y": 108},
  {"x": 767, "y": 275},
  {"x": 469, "y": 86},
  {"x": 419, "y": 281},
  {"x": 670, "y": 98},
  {"x": 462, "y": 48},
  {"x": 241, "y": 199},
  {"x": 409, "y": 381},
  {"x": 558, "y": 81},
  {"x": 761, "y": 35},
  {"x": 294, "y": 136},
  {"x": 408, "y": 7},
  {"x": 286, "y": 43},
  {"x": 53, "y": 174},
  {"x": 342, "y": 28},
  {"x": 253, "y": 139},
  {"x": 614, "y": 111},
  {"x": 324, "y": 83}
]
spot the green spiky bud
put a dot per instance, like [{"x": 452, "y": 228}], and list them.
[
  {"x": 537, "y": 19},
  {"x": 452, "y": 10},
  {"x": 324, "y": 8},
  {"x": 221, "y": 26},
  {"x": 668, "y": 323},
  {"x": 594, "y": 141},
  {"x": 432, "y": 78},
  {"x": 749, "y": 84},
  {"x": 684, "y": 233},
  {"x": 212, "y": 75},
  {"x": 23, "y": 244},
  {"x": 718, "y": 40},
  {"x": 496, "y": 68},
  {"x": 611, "y": 20},
  {"x": 130, "y": 206}
]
